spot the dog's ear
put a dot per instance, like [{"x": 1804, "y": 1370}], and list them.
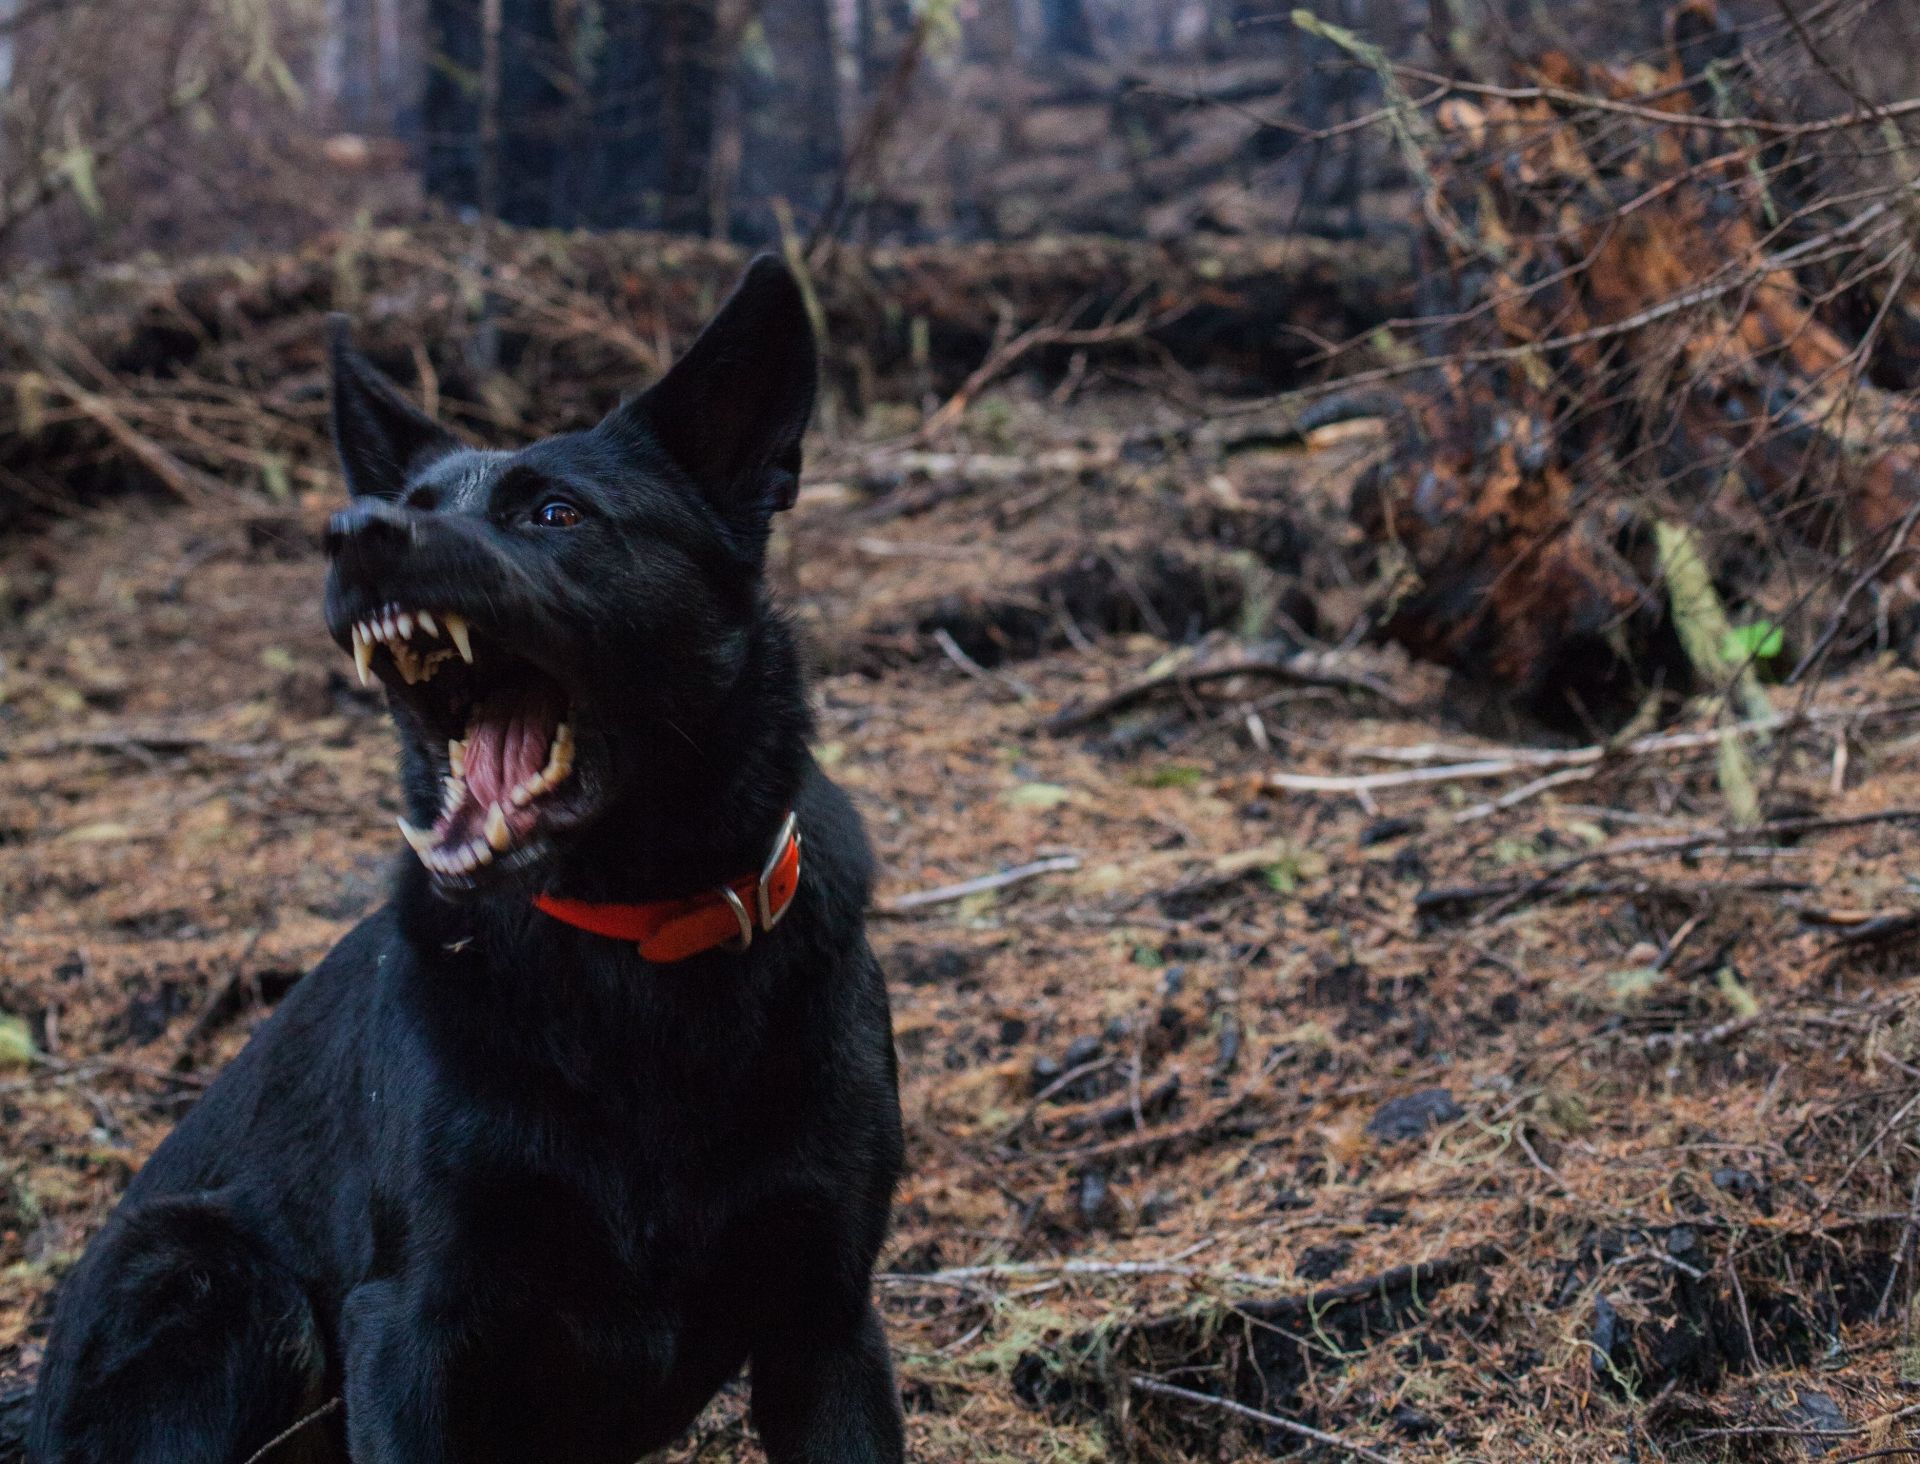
[
  {"x": 380, "y": 436},
  {"x": 732, "y": 411}
]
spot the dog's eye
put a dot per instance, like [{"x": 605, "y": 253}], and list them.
[{"x": 556, "y": 514}]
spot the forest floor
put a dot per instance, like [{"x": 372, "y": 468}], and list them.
[{"x": 1518, "y": 1114}]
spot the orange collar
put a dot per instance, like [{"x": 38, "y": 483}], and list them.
[{"x": 672, "y": 930}]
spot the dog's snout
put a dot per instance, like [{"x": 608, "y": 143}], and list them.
[{"x": 368, "y": 523}]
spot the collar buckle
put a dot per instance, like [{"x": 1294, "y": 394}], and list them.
[{"x": 763, "y": 899}]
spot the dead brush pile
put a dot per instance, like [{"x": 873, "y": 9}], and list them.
[
  {"x": 197, "y": 378},
  {"x": 1666, "y": 318}
]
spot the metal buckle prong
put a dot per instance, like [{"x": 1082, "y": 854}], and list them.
[
  {"x": 788, "y": 830},
  {"x": 740, "y": 914}
]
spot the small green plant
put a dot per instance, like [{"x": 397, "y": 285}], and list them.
[
  {"x": 1174, "y": 775},
  {"x": 1758, "y": 640}
]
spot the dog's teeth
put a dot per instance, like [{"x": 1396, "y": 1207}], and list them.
[
  {"x": 457, "y": 757},
  {"x": 454, "y": 793},
  {"x": 405, "y": 623},
  {"x": 457, "y": 628},
  {"x": 420, "y": 840},
  {"x": 522, "y": 794},
  {"x": 363, "y": 656},
  {"x": 559, "y": 756},
  {"x": 498, "y": 835},
  {"x": 426, "y": 622},
  {"x": 479, "y": 852}
]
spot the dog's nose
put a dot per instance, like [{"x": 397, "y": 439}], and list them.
[{"x": 369, "y": 523}]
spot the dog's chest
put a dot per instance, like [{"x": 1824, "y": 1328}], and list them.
[
  {"x": 630, "y": 1220},
  {"x": 639, "y": 1285}
]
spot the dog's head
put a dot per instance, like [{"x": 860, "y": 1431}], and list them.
[{"x": 550, "y": 622}]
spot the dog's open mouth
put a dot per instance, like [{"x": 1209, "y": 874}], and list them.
[{"x": 500, "y": 726}]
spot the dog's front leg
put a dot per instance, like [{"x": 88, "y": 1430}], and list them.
[
  {"x": 396, "y": 1387},
  {"x": 827, "y": 1395}
]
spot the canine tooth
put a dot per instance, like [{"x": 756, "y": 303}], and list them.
[
  {"x": 521, "y": 795},
  {"x": 405, "y": 622},
  {"x": 559, "y": 756},
  {"x": 457, "y": 756},
  {"x": 420, "y": 840},
  {"x": 498, "y": 835},
  {"x": 426, "y": 622},
  {"x": 363, "y": 657},
  {"x": 457, "y": 628}
]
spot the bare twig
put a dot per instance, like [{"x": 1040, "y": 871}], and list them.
[
  {"x": 1523, "y": 759},
  {"x": 1000, "y": 681},
  {"x": 1008, "y": 354},
  {"x": 325, "y": 1410},
  {"x": 1271, "y": 1420},
  {"x": 1018, "y": 1270},
  {"x": 981, "y": 884},
  {"x": 1302, "y": 668}
]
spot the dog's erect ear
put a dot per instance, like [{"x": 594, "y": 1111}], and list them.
[
  {"x": 732, "y": 411},
  {"x": 379, "y": 435}
]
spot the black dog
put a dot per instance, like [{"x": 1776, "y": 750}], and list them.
[{"x": 510, "y": 1188}]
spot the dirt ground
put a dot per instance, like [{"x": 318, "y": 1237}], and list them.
[{"x": 1510, "y": 1114}]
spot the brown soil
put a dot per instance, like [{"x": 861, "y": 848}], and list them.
[{"x": 1652, "y": 1207}]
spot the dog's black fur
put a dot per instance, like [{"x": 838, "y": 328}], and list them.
[{"x": 509, "y": 1190}]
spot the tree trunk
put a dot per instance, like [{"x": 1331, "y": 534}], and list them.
[
  {"x": 529, "y": 108},
  {"x": 882, "y": 28},
  {"x": 650, "y": 129},
  {"x": 1065, "y": 29},
  {"x": 603, "y": 126},
  {"x": 347, "y": 63},
  {"x": 487, "y": 186},
  {"x": 994, "y": 35},
  {"x": 790, "y": 114}
]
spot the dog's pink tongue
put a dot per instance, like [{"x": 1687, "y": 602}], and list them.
[{"x": 506, "y": 747}]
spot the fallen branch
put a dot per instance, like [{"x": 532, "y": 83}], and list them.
[
  {"x": 1518, "y": 760},
  {"x": 1271, "y": 1420},
  {"x": 1147, "y": 1140},
  {"x": 1020, "y": 1270},
  {"x": 980, "y": 884},
  {"x": 1001, "y": 681},
  {"x": 1303, "y": 668},
  {"x": 136, "y": 743},
  {"x": 1008, "y": 355}
]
